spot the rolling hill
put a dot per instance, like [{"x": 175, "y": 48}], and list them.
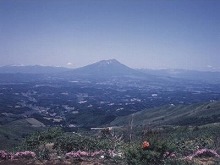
[
  {"x": 12, "y": 133},
  {"x": 195, "y": 114}
]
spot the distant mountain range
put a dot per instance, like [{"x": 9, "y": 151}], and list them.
[
  {"x": 204, "y": 76},
  {"x": 112, "y": 68},
  {"x": 35, "y": 69}
]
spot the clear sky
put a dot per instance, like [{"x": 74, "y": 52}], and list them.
[{"x": 139, "y": 33}]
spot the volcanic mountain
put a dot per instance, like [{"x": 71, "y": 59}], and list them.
[{"x": 106, "y": 69}]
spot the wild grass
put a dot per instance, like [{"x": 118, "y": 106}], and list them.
[{"x": 167, "y": 144}]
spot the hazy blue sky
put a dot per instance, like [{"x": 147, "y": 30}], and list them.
[{"x": 138, "y": 33}]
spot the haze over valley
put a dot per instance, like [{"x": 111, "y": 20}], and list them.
[
  {"x": 110, "y": 82},
  {"x": 97, "y": 93}
]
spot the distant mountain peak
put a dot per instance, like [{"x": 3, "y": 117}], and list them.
[
  {"x": 107, "y": 62},
  {"x": 111, "y": 61},
  {"x": 106, "y": 68}
]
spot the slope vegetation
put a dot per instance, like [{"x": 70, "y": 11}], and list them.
[
  {"x": 12, "y": 133},
  {"x": 196, "y": 114}
]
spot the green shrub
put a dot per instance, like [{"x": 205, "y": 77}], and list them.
[
  {"x": 33, "y": 141},
  {"x": 67, "y": 143},
  {"x": 178, "y": 162},
  {"x": 135, "y": 155},
  {"x": 43, "y": 154}
]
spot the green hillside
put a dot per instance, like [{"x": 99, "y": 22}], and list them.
[
  {"x": 196, "y": 114},
  {"x": 12, "y": 133},
  {"x": 177, "y": 134}
]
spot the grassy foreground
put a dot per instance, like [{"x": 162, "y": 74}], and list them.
[{"x": 167, "y": 145}]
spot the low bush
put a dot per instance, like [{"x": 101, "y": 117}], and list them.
[
  {"x": 157, "y": 152},
  {"x": 68, "y": 143}
]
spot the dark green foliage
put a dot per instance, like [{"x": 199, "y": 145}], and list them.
[
  {"x": 168, "y": 145},
  {"x": 155, "y": 154},
  {"x": 65, "y": 142},
  {"x": 43, "y": 154},
  {"x": 32, "y": 142},
  {"x": 135, "y": 155},
  {"x": 69, "y": 143},
  {"x": 178, "y": 162},
  {"x": 177, "y": 141},
  {"x": 188, "y": 139}
]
